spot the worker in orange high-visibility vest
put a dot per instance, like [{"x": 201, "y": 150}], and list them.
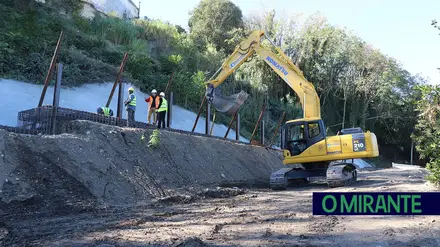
[{"x": 153, "y": 103}]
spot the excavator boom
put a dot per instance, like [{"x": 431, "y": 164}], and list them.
[{"x": 280, "y": 63}]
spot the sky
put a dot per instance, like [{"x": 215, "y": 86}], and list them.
[{"x": 399, "y": 28}]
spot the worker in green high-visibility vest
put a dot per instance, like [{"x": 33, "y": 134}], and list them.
[
  {"x": 105, "y": 111},
  {"x": 130, "y": 104},
  {"x": 162, "y": 110}
]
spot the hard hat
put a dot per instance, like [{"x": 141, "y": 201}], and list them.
[
  {"x": 153, "y": 91},
  {"x": 131, "y": 89},
  {"x": 162, "y": 94}
]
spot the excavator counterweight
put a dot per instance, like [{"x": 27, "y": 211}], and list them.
[{"x": 308, "y": 151}]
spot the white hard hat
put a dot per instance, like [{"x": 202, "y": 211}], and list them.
[
  {"x": 154, "y": 91},
  {"x": 162, "y": 94}
]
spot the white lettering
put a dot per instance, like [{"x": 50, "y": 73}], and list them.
[{"x": 276, "y": 65}]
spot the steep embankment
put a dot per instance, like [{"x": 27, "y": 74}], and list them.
[{"x": 96, "y": 163}]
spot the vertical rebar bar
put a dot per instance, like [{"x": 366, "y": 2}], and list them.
[
  {"x": 230, "y": 124},
  {"x": 169, "y": 84},
  {"x": 118, "y": 77},
  {"x": 120, "y": 100},
  {"x": 56, "y": 98},
  {"x": 258, "y": 122},
  {"x": 262, "y": 132},
  {"x": 198, "y": 114},
  {"x": 51, "y": 67},
  {"x": 237, "y": 128},
  {"x": 170, "y": 109},
  {"x": 208, "y": 116},
  {"x": 277, "y": 128}
]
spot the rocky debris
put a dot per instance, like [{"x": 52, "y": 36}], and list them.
[
  {"x": 217, "y": 228},
  {"x": 176, "y": 199},
  {"x": 221, "y": 192},
  {"x": 191, "y": 242},
  {"x": 267, "y": 233}
]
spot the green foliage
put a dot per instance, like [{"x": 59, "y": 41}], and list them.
[
  {"x": 427, "y": 130},
  {"x": 435, "y": 24},
  {"x": 357, "y": 85},
  {"x": 154, "y": 139},
  {"x": 212, "y": 21}
]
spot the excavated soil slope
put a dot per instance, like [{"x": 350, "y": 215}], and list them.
[{"x": 96, "y": 164}]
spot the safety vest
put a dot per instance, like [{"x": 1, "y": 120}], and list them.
[
  {"x": 164, "y": 106},
  {"x": 133, "y": 102},
  {"x": 106, "y": 111},
  {"x": 151, "y": 101}
]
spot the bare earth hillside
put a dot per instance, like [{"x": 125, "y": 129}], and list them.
[{"x": 103, "y": 186}]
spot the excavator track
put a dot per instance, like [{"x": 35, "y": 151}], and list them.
[
  {"x": 337, "y": 175},
  {"x": 341, "y": 174}
]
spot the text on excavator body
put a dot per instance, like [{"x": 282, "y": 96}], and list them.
[{"x": 278, "y": 66}]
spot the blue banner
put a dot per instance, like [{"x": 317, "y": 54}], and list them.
[{"x": 376, "y": 203}]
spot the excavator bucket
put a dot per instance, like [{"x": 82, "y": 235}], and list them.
[{"x": 229, "y": 104}]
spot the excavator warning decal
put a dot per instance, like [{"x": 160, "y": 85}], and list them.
[{"x": 359, "y": 143}]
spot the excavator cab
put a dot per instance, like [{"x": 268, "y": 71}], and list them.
[{"x": 298, "y": 135}]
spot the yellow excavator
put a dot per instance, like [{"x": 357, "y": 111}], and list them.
[{"x": 308, "y": 151}]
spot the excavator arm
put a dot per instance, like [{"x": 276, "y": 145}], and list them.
[
  {"x": 279, "y": 62},
  {"x": 304, "y": 141}
]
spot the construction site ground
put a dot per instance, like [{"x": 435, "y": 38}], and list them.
[{"x": 54, "y": 196}]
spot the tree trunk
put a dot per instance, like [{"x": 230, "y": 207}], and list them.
[{"x": 345, "y": 106}]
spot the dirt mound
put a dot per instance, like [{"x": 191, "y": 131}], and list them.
[{"x": 98, "y": 164}]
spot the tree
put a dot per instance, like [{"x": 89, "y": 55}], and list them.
[
  {"x": 427, "y": 129},
  {"x": 212, "y": 21},
  {"x": 434, "y": 23}
]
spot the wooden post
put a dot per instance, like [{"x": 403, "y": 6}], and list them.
[
  {"x": 198, "y": 114},
  {"x": 51, "y": 67},
  {"x": 258, "y": 122},
  {"x": 277, "y": 128},
  {"x": 118, "y": 77},
  {"x": 230, "y": 124}
]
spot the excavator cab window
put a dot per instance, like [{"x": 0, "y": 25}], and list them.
[
  {"x": 313, "y": 130},
  {"x": 299, "y": 136},
  {"x": 297, "y": 141}
]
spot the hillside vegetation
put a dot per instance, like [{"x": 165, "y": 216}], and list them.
[{"x": 358, "y": 85}]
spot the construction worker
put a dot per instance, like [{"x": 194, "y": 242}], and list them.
[
  {"x": 105, "y": 111},
  {"x": 162, "y": 110},
  {"x": 153, "y": 102},
  {"x": 130, "y": 104}
]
